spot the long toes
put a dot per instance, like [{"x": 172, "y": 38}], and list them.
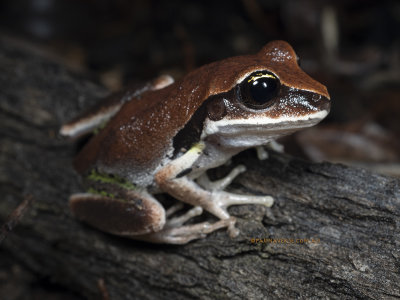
[
  {"x": 178, "y": 221},
  {"x": 224, "y": 199}
]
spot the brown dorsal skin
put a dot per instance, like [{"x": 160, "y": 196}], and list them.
[{"x": 140, "y": 135}]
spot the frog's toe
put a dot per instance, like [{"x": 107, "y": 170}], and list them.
[
  {"x": 225, "y": 199},
  {"x": 179, "y": 221},
  {"x": 222, "y": 183}
]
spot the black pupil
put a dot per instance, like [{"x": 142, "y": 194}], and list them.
[
  {"x": 259, "y": 90},
  {"x": 263, "y": 89}
]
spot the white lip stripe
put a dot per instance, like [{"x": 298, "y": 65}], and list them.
[{"x": 212, "y": 127}]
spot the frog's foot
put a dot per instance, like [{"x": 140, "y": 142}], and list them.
[
  {"x": 174, "y": 232},
  {"x": 222, "y": 200},
  {"x": 187, "y": 233}
]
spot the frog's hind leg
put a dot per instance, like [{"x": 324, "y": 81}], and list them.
[
  {"x": 141, "y": 217},
  {"x": 138, "y": 215}
]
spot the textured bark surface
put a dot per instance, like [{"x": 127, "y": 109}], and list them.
[{"x": 350, "y": 216}]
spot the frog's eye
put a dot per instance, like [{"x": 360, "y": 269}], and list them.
[{"x": 259, "y": 89}]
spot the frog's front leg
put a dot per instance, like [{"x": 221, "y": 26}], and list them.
[{"x": 172, "y": 179}]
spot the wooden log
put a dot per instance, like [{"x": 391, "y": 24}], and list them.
[{"x": 333, "y": 232}]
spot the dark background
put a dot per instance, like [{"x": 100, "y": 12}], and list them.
[{"x": 352, "y": 46}]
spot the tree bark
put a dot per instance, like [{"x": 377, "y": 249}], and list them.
[{"x": 333, "y": 231}]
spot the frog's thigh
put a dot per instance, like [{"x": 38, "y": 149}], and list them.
[{"x": 138, "y": 215}]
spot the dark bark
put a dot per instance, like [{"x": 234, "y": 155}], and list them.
[{"x": 352, "y": 214}]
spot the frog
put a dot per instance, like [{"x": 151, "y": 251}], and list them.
[{"x": 163, "y": 137}]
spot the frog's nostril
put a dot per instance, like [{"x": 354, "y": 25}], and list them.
[
  {"x": 324, "y": 103},
  {"x": 316, "y": 97}
]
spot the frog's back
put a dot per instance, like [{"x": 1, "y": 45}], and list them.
[{"x": 139, "y": 138}]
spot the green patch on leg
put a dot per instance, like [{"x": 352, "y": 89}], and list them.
[
  {"x": 104, "y": 178},
  {"x": 102, "y": 193}
]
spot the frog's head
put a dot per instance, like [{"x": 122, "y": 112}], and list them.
[{"x": 263, "y": 96}]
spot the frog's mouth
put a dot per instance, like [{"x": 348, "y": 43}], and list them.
[{"x": 261, "y": 126}]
